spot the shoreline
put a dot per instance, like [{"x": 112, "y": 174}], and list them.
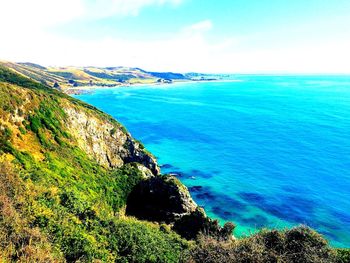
[{"x": 89, "y": 89}]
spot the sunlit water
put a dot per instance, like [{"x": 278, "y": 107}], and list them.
[{"x": 266, "y": 151}]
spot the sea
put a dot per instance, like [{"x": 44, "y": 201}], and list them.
[{"x": 261, "y": 151}]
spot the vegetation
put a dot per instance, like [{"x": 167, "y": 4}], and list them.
[
  {"x": 66, "y": 206},
  {"x": 168, "y": 75},
  {"x": 69, "y": 77},
  {"x": 342, "y": 255},
  {"x": 299, "y": 244},
  {"x": 192, "y": 225},
  {"x": 57, "y": 204},
  {"x": 13, "y": 78},
  {"x": 111, "y": 76}
]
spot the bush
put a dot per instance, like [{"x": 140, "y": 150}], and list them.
[
  {"x": 5, "y": 137},
  {"x": 342, "y": 255},
  {"x": 297, "y": 245},
  {"x": 197, "y": 223},
  {"x": 22, "y": 130},
  {"x": 18, "y": 240},
  {"x": 137, "y": 241}
]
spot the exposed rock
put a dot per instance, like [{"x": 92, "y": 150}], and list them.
[
  {"x": 196, "y": 223},
  {"x": 146, "y": 173},
  {"x": 106, "y": 141},
  {"x": 165, "y": 199},
  {"x": 161, "y": 198}
]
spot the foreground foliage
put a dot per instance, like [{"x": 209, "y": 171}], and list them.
[
  {"x": 57, "y": 203},
  {"x": 297, "y": 245}
]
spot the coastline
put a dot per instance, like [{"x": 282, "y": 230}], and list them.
[
  {"x": 162, "y": 112},
  {"x": 90, "y": 89}
]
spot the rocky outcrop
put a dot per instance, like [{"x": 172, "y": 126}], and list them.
[
  {"x": 166, "y": 199},
  {"x": 160, "y": 198},
  {"x": 191, "y": 225},
  {"x": 105, "y": 140}
]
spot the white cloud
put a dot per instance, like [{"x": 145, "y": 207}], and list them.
[
  {"x": 200, "y": 27},
  {"x": 182, "y": 52},
  {"x": 24, "y": 14},
  {"x": 45, "y": 13},
  {"x": 105, "y": 8},
  {"x": 25, "y": 26}
]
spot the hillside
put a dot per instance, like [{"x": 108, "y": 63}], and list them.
[
  {"x": 76, "y": 187},
  {"x": 66, "y": 78}
]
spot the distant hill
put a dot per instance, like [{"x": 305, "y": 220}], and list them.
[
  {"x": 68, "y": 77},
  {"x": 168, "y": 75}
]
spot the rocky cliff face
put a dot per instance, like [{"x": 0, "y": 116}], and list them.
[
  {"x": 76, "y": 142},
  {"x": 157, "y": 198},
  {"x": 162, "y": 199},
  {"x": 166, "y": 199},
  {"x": 106, "y": 141}
]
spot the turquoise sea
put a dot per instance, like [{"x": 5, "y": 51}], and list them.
[{"x": 264, "y": 151}]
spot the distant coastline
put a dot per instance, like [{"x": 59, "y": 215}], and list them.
[{"x": 89, "y": 89}]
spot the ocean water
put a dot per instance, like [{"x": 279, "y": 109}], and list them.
[{"x": 264, "y": 151}]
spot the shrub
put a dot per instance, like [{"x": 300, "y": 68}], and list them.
[
  {"x": 5, "y": 136},
  {"x": 18, "y": 241},
  {"x": 22, "y": 130},
  {"x": 342, "y": 255},
  {"x": 113, "y": 131},
  {"x": 35, "y": 123},
  {"x": 197, "y": 223},
  {"x": 297, "y": 245},
  {"x": 137, "y": 241}
]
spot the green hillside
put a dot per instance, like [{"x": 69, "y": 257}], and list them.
[
  {"x": 57, "y": 202},
  {"x": 76, "y": 187}
]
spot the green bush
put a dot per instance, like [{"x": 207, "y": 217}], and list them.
[
  {"x": 35, "y": 123},
  {"x": 342, "y": 255},
  {"x": 22, "y": 130},
  {"x": 5, "y": 137},
  {"x": 297, "y": 245},
  {"x": 136, "y": 241},
  {"x": 195, "y": 224}
]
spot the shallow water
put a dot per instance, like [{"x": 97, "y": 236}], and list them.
[{"x": 267, "y": 151}]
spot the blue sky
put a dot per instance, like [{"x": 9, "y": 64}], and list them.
[{"x": 251, "y": 36}]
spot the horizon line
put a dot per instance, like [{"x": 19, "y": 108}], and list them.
[{"x": 274, "y": 73}]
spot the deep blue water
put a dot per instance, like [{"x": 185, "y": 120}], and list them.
[{"x": 267, "y": 151}]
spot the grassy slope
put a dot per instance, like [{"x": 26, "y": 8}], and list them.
[
  {"x": 67, "y": 207},
  {"x": 67, "y": 77},
  {"x": 34, "y": 72}
]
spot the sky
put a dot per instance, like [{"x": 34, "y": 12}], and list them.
[{"x": 222, "y": 36}]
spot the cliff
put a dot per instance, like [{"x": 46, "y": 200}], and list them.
[
  {"x": 105, "y": 140},
  {"x": 76, "y": 168}
]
